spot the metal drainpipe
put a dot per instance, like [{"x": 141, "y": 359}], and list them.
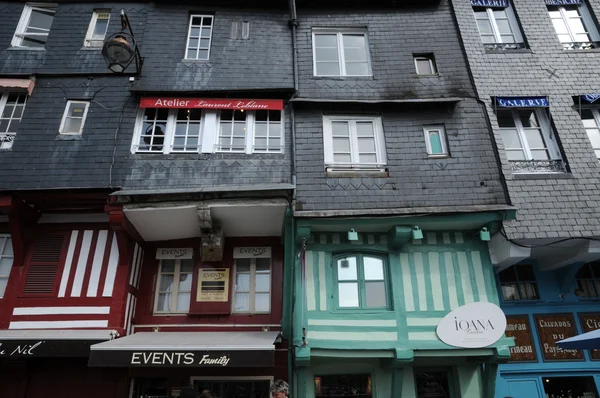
[{"x": 293, "y": 23}]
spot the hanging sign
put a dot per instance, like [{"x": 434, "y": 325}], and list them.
[
  {"x": 490, "y": 3},
  {"x": 212, "y": 103},
  {"x": 553, "y": 328},
  {"x": 185, "y": 253},
  {"x": 522, "y": 102},
  {"x": 213, "y": 285},
  {"x": 562, "y": 2},
  {"x": 589, "y": 323},
  {"x": 474, "y": 325},
  {"x": 252, "y": 252},
  {"x": 590, "y": 98},
  {"x": 518, "y": 326}
]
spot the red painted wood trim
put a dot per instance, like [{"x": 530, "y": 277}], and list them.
[
  {"x": 105, "y": 260},
  {"x": 59, "y": 317},
  {"x": 89, "y": 263},
  {"x": 76, "y": 253}
]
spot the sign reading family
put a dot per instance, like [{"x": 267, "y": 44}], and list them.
[
  {"x": 212, "y": 103},
  {"x": 522, "y": 102},
  {"x": 474, "y": 325}
]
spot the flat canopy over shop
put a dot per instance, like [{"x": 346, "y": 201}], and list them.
[
  {"x": 49, "y": 343},
  {"x": 187, "y": 349}
]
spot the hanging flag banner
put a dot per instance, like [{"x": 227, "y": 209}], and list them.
[
  {"x": 212, "y": 103},
  {"x": 489, "y": 3},
  {"x": 590, "y": 98},
  {"x": 522, "y": 102},
  {"x": 562, "y": 2}
]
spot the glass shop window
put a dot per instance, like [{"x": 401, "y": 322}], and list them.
[
  {"x": 251, "y": 388},
  {"x": 349, "y": 385},
  {"x": 588, "y": 280},
  {"x": 519, "y": 283},
  {"x": 570, "y": 387}
]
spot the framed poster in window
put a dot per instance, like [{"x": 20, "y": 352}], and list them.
[
  {"x": 591, "y": 322},
  {"x": 213, "y": 285},
  {"x": 552, "y": 328}
]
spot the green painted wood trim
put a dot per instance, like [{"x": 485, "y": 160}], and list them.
[
  {"x": 397, "y": 380},
  {"x": 288, "y": 275},
  {"x": 490, "y": 372},
  {"x": 302, "y": 232},
  {"x": 399, "y": 236}
]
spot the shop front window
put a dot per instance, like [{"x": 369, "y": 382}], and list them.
[
  {"x": 241, "y": 388},
  {"x": 432, "y": 384},
  {"x": 348, "y": 385},
  {"x": 570, "y": 387}
]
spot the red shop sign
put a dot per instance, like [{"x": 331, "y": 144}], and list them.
[{"x": 211, "y": 103}]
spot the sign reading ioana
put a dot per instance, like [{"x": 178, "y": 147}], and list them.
[
  {"x": 522, "y": 102},
  {"x": 212, "y": 103},
  {"x": 473, "y": 325},
  {"x": 252, "y": 252},
  {"x": 185, "y": 253},
  {"x": 489, "y": 3}
]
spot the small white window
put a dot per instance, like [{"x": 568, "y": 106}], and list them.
[
  {"x": 74, "y": 117},
  {"x": 199, "y": 37},
  {"x": 425, "y": 64},
  {"x": 6, "y": 261},
  {"x": 353, "y": 142},
  {"x": 338, "y": 53},
  {"x": 252, "y": 292},
  {"x": 435, "y": 139},
  {"x": 174, "y": 286},
  {"x": 232, "y": 131},
  {"x": 498, "y": 27},
  {"x": 34, "y": 25},
  {"x": 574, "y": 26},
  {"x": 591, "y": 122},
  {"x": 98, "y": 28},
  {"x": 12, "y": 106}
]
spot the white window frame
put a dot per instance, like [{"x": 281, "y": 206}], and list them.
[
  {"x": 586, "y": 19},
  {"x": 4, "y": 137},
  {"x": 379, "y": 142},
  {"x": 426, "y": 57},
  {"x": 65, "y": 116},
  {"x": 512, "y": 21},
  {"x": 209, "y": 133},
  {"x": 252, "y": 291},
  {"x": 90, "y": 40},
  {"x": 596, "y": 116},
  {"x": 174, "y": 293},
  {"x": 546, "y": 130},
  {"x": 340, "y": 45},
  {"x": 187, "y": 39},
  {"x": 20, "y": 33},
  {"x": 5, "y": 238},
  {"x": 441, "y": 129}
]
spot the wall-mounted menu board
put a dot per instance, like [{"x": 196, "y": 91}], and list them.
[
  {"x": 555, "y": 327},
  {"x": 590, "y": 322},
  {"x": 518, "y": 326}
]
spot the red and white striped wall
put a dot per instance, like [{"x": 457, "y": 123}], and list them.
[{"x": 134, "y": 283}]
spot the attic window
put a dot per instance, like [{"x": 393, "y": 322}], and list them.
[{"x": 240, "y": 30}]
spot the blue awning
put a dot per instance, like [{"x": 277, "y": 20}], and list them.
[
  {"x": 489, "y": 3},
  {"x": 522, "y": 102},
  {"x": 590, "y": 98},
  {"x": 585, "y": 341},
  {"x": 562, "y": 2}
]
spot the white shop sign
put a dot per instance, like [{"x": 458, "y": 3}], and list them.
[
  {"x": 185, "y": 253},
  {"x": 252, "y": 252},
  {"x": 474, "y": 325}
]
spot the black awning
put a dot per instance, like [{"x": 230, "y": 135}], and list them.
[
  {"x": 49, "y": 343},
  {"x": 187, "y": 349}
]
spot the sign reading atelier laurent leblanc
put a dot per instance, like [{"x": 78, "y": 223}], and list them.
[
  {"x": 212, "y": 103},
  {"x": 553, "y": 328},
  {"x": 474, "y": 325},
  {"x": 518, "y": 326}
]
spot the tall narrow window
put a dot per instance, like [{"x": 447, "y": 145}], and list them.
[
  {"x": 98, "y": 28},
  {"x": 343, "y": 53},
  {"x": 267, "y": 131},
  {"x": 498, "y": 27},
  {"x": 588, "y": 280},
  {"x": 361, "y": 282},
  {"x": 591, "y": 122},
  {"x": 574, "y": 26},
  {"x": 34, "y": 25},
  {"x": 435, "y": 139},
  {"x": 199, "y": 37},
  {"x": 528, "y": 140},
  {"x": 188, "y": 131},
  {"x": 519, "y": 283},
  {"x": 153, "y": 129},
  {"x": 232, "y": 131},
  {"x": 12, "y": 106},
  {"x": 74, "y": 117},
  {"x": 174, "y": 286},
  {"x": 6, "y": 261},
  {"x": 252, "y": 292}
]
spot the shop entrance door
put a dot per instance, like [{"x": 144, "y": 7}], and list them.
[{"x": 235, "y": 388}]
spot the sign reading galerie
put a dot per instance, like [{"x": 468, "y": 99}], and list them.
[
  {"x": 474, "y": 325},
  {"x": 185, "y": 253},
  {"x": 252, "y": 252},
  {"x": 212, "y": 103}
]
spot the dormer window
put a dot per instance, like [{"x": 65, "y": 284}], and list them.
[{"x": 519, "y": 283}]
